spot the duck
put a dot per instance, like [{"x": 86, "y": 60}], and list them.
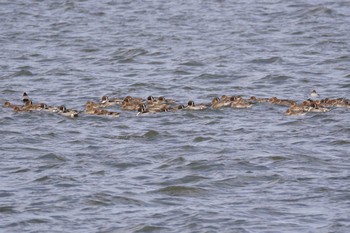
[
  {"x": 241, "y": 103},
  {"x": 133, "y": 99},
  {"x": 316, "y": 108},
  {"x": 18, "y": 109},
  {"x": 156, "y": 104},
  {"x": 67, "y": 112},
  {"x": 341, "y": 103},
  {"x": 104, "y": 112},
  {"x": 142, "y": 110},
  {"x": 8, "y": 104},
  {"x": 162, "y": 99},
  {"x": 181, "y": 106},
  {"x": 290, "y": 112},
  {"x": 106, "y": 102},
  {"x": 191, "y": 106},
  {"x": 254, "y": 99},
  {"x": 283, "y": 102},
  {"x": 28, "y": 106},
  {"x": 216, "y": 103},
  {"x": 314, "y": 94},
  {"x": 296, "y": 109},
  {"x": 130, "y": 105},
  {"x": 226, "y": 100},
  {"x": 25, "y": 97},
  {"x": 90, "y": 107}
]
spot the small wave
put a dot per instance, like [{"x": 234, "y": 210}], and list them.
[
  {"x": 340, "y": 142},
  {"x": 181, "y": 191},
  {"x": 151, "y": 135},
  {"x": 192, "y": 63},
  {"x": 42, "y": 179},
  {"x": 128, "y": 55},
  {"x": 149, "y": 228},
  {"x": 52, "y": 156},
  {"x": 319, "y": 11},
  {"x": 270, "y": 60},
  {"x": 21, "y": 170},
  {"x": 208, "y": 76},
  {"x": 22, "y": 73},
  {"x": 276, "y": 79},
  {"x": 7, "y": 209},
  {"x": 201, "y": 139},
  {"x": 172, "y": 162},
  {"x": 336, "y": 60}
]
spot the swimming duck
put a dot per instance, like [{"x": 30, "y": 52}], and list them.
[
  {"x": 314, "y": 94},
  {"x": 67, "y": 112},
  {"x": 106, "y": 102},
  {"x": 290, "y": 112},
  {"x": 216, "y": 103},
  {"x": 18, "y": 109},
  {"x": 133, "y": 99},
  {"x": 162, "y": 99},
  {"x": 130, "y": 105},
  {"x": 142, "y": 110},
  {"x": 8, "y": 104},
  {"x": 241, "y": 103},
  {"x": 181, "y": 106},
  {"x": 25, "y": 97},
  {"x": 253, "y": 99},
  {"x": 104, "y": 112},
  {"x": 316, "y": 108},
  {"x": 283, "y": 102},
  {"x": 192, "y": 106}
]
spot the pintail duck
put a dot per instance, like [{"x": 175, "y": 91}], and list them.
[
  {"x": 162, "y": 99},
  {"x": 290, "y": 112},
  {"x": 25, "y": 97},
  {"x": 133, "y": 99},
  {"x": 253, "y": 99},
  {"x": 192, "y": 106},
  {"x": 129, "y": 105},
  {"x": 296, "y": 109},
  {"x": 41, "y": 106},
  {"x": 67, "y": 112},
  {"x": 316, "y": 108},
  {"x": 18, "y": 109},
  {"x": 181, "y": 106},
  {"x": 90, "y": 107},
  {"x": 240, "y": 103},
  {"x": 283, "y": 102},
  {"x": 216, "y": 103},
  {"x": 8, "y": 104},
  {"x": 341, "y": 103},
  {"x": 314, "y": 94},
  {"x": 44, "y": 107},
  {"x": 142, "y": 110},
  {"x": 226, "y": 100},
  {"x": 104, "y": 112},
  {"x": 106, "y": 102}
]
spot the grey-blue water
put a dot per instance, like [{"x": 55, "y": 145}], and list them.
[{"x": 229, "y": 170}]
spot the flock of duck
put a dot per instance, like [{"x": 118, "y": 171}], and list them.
[{"x": 161, "y": 104}]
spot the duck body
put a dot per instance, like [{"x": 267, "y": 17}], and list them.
[
  {"x": 282, "y": 102},
  {"x": 192, "y": 106},
  {"x": 216, "y": 103},
  {"x": 67, "y": 112}
]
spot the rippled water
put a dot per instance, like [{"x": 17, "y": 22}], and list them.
[{"x": 251, "y": 170}]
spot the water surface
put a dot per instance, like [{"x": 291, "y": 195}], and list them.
[{"x": 251, "y": 170}]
